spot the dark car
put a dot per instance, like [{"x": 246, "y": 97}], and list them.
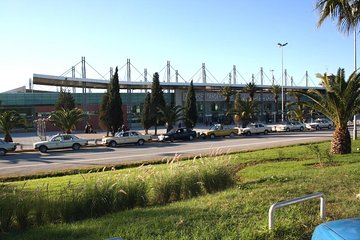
[{"x": 178, "y": 134}]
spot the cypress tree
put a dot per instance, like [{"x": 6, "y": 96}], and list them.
[
  {"x": 111, "y": 115},
  {"x": 115, "y": 113},
  {"x": 145, "y": 114},
  {"x": 65, "y": 101},
  {"x": 190, "y": 110},
  {"x": 103, "y": 117},
  {"x": 156, "y": 101}
]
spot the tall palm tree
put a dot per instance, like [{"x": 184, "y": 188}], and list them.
[
  {"x": 244, "y": 111},
  {"x": 66, "y": 120},
  {"x": 8, "y": 121},
  {"x": 170, "y": 115},
  {"x": 346, "y": 12},
  {"x": 339, "y": 102},
  {"x": 298, "y": 112},
  {"x": 227, "y": 92},
  {"x": 276, "y": 90},
  {"x": 251, "y": 88}
]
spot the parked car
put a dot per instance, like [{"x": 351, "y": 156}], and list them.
[
  {"x": 218, "y": 130},
  {"x": 290, "y": 126},
  {"x": 61, "y": 141},
  {"x": 178, "y": 134},
  {"x": 126, "y": 137},
  {"x": 6, "y": 147},
  {"x": 255, "y": 128},
  {"x": 320, "y": 123}
]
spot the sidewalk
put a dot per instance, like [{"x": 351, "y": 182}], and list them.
[{"x": 26, "y": 139}]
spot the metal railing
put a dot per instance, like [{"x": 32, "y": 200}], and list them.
[{"x": 293, "y": 201}]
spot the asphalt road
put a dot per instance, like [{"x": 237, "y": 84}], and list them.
[{"x": 35, "y": 162}]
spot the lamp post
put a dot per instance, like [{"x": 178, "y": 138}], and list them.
[
  {"x": 354, "y": 12},
  {"x": 282, "y": 45}
]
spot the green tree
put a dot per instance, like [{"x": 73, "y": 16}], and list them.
[
  {"x": 251, "y": 88},
  {"x": 347, "y": 13},
  {"x": 339, "y": 102},
  {"x": 276, "y": 90},
  {"x": 104, "y": 112},
  {"x": 156, "y": 101},
  {"x": 66, "y": 120},
  {"x": 227, "y": 92},
  {"x": 8, "y": 121},
  {"x": 171, "y": 114},
  {"x": 114, "y": 111},
  {"x": 145, "y": 114},
  {"x": 298, "y": 112},
  {"x": 65, "y": 101},
  {"x": 190, "y": 109},
  {"x": 244, "y": 111}
]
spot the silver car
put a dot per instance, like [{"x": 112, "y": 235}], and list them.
[
  {"x": 61, "y": 141},
  {"x": 6, "y": 147}
]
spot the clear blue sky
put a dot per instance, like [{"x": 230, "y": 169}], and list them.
[{"x": 48, "y": 37}]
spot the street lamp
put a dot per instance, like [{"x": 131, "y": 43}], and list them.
[{"x": 282, "y": 45}]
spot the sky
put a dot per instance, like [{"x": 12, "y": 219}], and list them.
[{"x": 48, "y": 37}]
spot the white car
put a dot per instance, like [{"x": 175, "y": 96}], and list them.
[
  {"x": 6, "y": 147},
  {"x": 291, "y": 126},
  {"x": 255, "y": 128},
  {"x": 319, "y": 124},
  {"x": 61, "y": 141},
  {"x": 124, "y": 138}
]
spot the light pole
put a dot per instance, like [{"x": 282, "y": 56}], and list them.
[{"x": 282, "y": 45}]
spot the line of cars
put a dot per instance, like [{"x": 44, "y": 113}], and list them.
[{"x": 61, "y": 141}]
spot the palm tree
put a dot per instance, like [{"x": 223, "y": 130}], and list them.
[
  {"x": 244, "y": 111},
  {"x": 227, "y": 92},
  {"x": 339, "y": 102},
  {"x": 8, "y": 121},
  {"x": 251, "y": 88},
  {"x": 298, "y": 112},
  {"x": 170, "y": 115},
  {"x": 346, "y": 12},
  {"x": 276, "y": 90},
  {"x": 66, "y": 120}
]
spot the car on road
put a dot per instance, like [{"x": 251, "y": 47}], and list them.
[
  {"x": 255, "y": 128},
  {"x": 60, "y": 141},
  {"x": 290, "y": 126},
  {"x": 126, "y": 137},
  {"x": 218, "y": 130},
  {"x": 320, "y": 123},
  {"x": 6, "y": 147},
  {"x": 178, "y": 134}
]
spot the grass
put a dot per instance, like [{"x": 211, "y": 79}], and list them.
[{"x": 240, "y": 212}]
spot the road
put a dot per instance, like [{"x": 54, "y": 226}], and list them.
[{"x": 34, "y": 162}]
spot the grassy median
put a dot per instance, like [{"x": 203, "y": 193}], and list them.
[{"x": 235, "y": 208}]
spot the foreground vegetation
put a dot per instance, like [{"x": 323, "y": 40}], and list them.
[{"x": 239, "y": 212}]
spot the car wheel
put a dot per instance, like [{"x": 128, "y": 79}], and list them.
[
  {"x": 317, "y": 128},
  {"x": 43, "y": 149},
  {"x": 266, "y": 132},
  {"x": 329, "y": 127},
  {"x": 232, "y": 134},
  {"x": 76, "y": 146},
  {"x": 191, "y": 138},
  {"x": 203, "y": 136},
  {"x": 212, "y": 136},
  {"x": 2, "y": 152},
  {"x": 112, "y": 144},
  {"x": 141, "y": 142},
  {"x": 248, "y": 133},
  {"x": 171, "y": 139},
  {"x": 288, "y": 129},
  {"x": 301, "y": 129}
]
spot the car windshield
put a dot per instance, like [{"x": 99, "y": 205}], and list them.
[{"x": 171, "y": 131}]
